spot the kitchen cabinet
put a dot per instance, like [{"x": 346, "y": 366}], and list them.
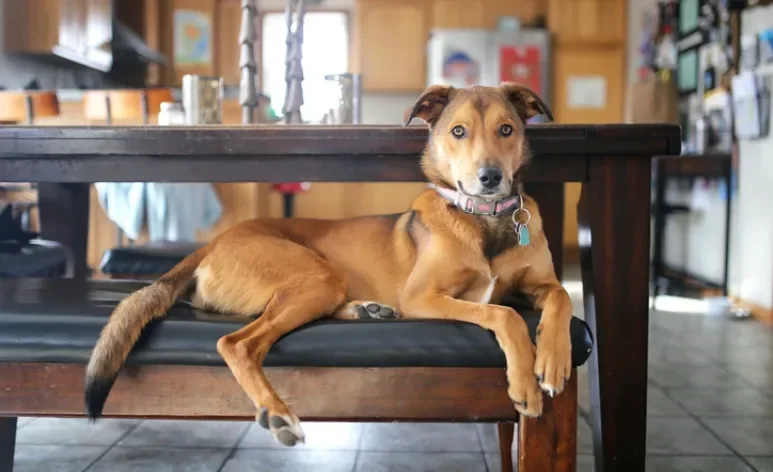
[
  {"x": 527, "y": 11},
  {"x": 590, "y": 22},
  {"x": 77, "y": 30},
  {"x": 228, "y": 16},
  {"x": 390, "y": 44},
  {"x": 457, "y": 14}
]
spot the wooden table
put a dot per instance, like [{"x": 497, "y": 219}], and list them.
[{"x": 612, "y": 161}]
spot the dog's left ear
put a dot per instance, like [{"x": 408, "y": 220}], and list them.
[
  {"x": 430, "y": 104},
  {"x": 526, "y": 102}
]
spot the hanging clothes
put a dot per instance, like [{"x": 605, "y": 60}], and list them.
[{"x": 173, "y": 211}]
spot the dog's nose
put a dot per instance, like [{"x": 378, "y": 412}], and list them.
[{"x": 490, "y": 177}]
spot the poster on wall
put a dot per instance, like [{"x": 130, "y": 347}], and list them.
[
  {"x": 192, "y": 38},
  {"x": 460, "y": 70},
  {"x": 521, "y": 64}
]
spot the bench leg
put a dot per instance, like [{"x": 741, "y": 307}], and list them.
[
  {"x": 549, "y": 443},
  {"x": 7, "y": 443},
  {"x": 506, "y": 434}
]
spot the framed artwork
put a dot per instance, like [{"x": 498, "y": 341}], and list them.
[
  {"x": 192, "y": 38},
  {"x": 687, "y": 72}
]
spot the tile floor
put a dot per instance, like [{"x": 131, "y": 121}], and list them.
[{"x": 710, "y": 408}]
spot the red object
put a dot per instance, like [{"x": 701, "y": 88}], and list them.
[
  {"x": 521, "y": 64},
  {"x": 292, "y": 187}
]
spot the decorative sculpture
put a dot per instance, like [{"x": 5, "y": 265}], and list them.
[
  {"x": 248, "y": 93},
  {"x": 293, "y": 66}
]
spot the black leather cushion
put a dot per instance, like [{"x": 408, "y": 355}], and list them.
[
  {"x": 59, "y": 320},
  {"x": 145, "y": 259},
  {"x": 31, "y": 260}
]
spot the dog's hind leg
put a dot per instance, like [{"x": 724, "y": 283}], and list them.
[{"x": 301, "y": 297}]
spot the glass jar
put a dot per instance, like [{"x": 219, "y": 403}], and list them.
[{"x": 171, "y": 114}]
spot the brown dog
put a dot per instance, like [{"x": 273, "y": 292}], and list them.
[{"x": 453, "y": 255}]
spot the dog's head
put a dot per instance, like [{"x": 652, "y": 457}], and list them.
[{"x": 477, "y": 141}]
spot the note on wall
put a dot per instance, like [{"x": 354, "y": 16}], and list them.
[{"x": 586, "y": 91}]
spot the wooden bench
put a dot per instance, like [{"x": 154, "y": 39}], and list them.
[{"x": 612, "y": 162}]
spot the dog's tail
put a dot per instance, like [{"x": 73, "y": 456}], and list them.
[{"x": 125, "y": 325}]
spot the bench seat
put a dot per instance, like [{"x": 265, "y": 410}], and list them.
[{"x": 58, "y": 321}]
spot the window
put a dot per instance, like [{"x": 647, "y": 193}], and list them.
[{"x": 325, "y": 51}]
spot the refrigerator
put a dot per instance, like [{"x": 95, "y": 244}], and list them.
[{"x": 465, "y": 57}]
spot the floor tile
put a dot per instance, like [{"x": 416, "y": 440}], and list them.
[
  {"x": 154, "y": 459},
  {"x": 332, "y": 436},
  {"x": 74, "y": 431},
  {"x": 585, "y": 463},
  {"x": 420, "y": 437},
  {"x": 179, "y": 433},
  {"x": 584, "y": 437},
  {"x": 253, "y": 460},
  {"x": 23, "y": 421},
  {"x": 681, "y": 436},
  {"x": 658, "y": 404},
  {"x": 759, "y": 376},
  {"x": 55, "y": 458},
  {"x": 489, "y": 439},
  {"x": 762, "y": 464},
  {"x": 696, "y": 464},
  {"x": 712, "y": 401},
  {"x": 418, "y": 462},
  {"x": 686, "y": 375},
  {"x": 669, "y": 353},
  {"x": 748, "y": 436}
]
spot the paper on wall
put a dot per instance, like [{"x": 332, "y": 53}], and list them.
[{"x": 586, "y": 91}]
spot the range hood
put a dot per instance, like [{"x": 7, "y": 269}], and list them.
[{"x": 128, "y": 47}]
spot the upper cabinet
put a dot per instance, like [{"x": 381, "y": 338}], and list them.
[
  {"x": 77, "y": 30},
  {"x": 528, "y": 11},
  {"x": 390, "y": 43},
  {"x": 588, "y": 22},
  {"x": 456, "y": 14}
]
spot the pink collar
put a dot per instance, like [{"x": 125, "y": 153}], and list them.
[{"x": 478, "y": 205}]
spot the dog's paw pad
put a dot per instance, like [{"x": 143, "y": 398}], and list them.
[{"x": 373, "y": 310}]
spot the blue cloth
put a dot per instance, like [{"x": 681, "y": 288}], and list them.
[{"x": 173, "y": 211}]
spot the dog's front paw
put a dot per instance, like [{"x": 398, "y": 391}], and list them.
[
  {"x": 553, "y": 366},
  {"x": 525, "y": 394},
  {"x": 286, "y": 429}
]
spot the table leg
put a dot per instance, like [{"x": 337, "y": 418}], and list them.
[
  {"x": 614, "y": 238},
  {"x": 64, "y": 218},
  {"x": 550, "y": 198},
  {"x": 7, "y": 443}
]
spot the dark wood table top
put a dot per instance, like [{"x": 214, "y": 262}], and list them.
[{"x": 290, "y": 153}]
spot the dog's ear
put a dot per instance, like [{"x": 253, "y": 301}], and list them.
[
  {"x": 526, "y": 102},
  {"x": 430, "y": 104}
]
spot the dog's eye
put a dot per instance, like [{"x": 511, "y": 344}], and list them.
[
  {"x": 459, "y": 132},
  {"x": 506, "y": 130}
]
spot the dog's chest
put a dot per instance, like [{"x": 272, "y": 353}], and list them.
[{"x": 498, "y": 236}]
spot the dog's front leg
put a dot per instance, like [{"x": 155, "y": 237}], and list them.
[
  {"x": 553, "y": 366},
  {"x": 427, "y": 300}
]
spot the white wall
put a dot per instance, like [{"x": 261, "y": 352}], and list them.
[{"x": 752, "y": 251}]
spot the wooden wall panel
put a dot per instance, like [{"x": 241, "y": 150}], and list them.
[{"x": 569, "y": 62}]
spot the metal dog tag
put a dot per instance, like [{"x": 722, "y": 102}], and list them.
[{"x": 524, "y": 238}]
